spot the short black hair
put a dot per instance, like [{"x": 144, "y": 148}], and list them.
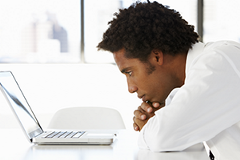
[{"x": 146, "y": 26}]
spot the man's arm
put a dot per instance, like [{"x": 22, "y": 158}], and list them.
[
  {"x": 147, "y": 110},
  {"x": 205, "y": 106}
]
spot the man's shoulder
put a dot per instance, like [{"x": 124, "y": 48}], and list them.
[{"x": 220, "y": 44}]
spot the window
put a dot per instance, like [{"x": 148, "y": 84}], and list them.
[
  {"x": 188, "y": 13},
  {"x": 221, "y": 20},
  {"x": 49, "y": 31},
  {"x": 99, "y": 13},
  {"x": 39, "y": 31}
]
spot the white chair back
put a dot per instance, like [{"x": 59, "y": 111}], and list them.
[{"x": 87, "y": 118}]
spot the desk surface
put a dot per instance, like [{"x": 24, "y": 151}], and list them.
[{"x": 124, "y": 148}]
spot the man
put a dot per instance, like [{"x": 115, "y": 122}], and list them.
[{"x": 159, "y": 51}]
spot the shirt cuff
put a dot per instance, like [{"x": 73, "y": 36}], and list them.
[{"x": 141, "y": 140}]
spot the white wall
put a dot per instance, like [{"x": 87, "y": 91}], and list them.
[{"x": 50, "y": 87}]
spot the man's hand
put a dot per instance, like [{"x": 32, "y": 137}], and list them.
[{"x": 144, "y": 113}]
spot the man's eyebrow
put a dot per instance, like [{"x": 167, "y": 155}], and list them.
[{"x": 125, "y": 69}]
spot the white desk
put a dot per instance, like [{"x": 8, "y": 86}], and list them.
[{"x": 124, "y": 148}]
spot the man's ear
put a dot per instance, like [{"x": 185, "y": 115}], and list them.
[{"x": 157, "y": 56}]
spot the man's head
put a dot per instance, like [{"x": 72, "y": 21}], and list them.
[
  {"x": 149, "y": 43},
  {"x": 146, "y": 26},
  {"x": 155, "y": 79}
]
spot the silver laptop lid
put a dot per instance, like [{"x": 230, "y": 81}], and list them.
[{"x": 19, "y": 104}]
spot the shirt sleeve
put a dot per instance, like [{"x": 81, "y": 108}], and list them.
[{"x": 205, "y": 105}]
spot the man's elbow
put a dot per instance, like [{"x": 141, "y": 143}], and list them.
[{"x": 162, "y": 144}]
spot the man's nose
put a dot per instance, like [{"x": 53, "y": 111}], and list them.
[{"x": 132, "y": 87}]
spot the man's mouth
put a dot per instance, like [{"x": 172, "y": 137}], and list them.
[{"x": 142, "y": 97}]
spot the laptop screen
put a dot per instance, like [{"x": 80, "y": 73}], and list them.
[{"x": 19, "y": 104}]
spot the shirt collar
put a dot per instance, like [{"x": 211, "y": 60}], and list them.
[{"x": 194, "y": 52}]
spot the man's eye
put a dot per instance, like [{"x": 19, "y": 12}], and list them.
[{"x": 129, "y": 73}]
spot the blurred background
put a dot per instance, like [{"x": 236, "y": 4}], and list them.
[{"x": 50, "y": 46}]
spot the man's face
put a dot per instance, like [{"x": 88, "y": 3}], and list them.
[{"x": 149, "y": 80}]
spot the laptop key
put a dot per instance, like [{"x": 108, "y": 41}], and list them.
[
  {"x": 65, "y": 134},
  {"x": 45, "y": 134},
  {"x": 70, "y": 135},
  {"x": 53, "y": 135},
  {"x": 60, "y": 134},
  {"x": 78, "y": 134}
]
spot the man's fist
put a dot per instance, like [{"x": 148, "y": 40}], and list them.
[{"x": 144, "y": 113}]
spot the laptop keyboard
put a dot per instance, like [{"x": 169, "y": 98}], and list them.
[{"x": 63, "y": 134}]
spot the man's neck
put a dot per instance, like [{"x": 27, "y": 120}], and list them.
[{"x": 177, "y": 65}]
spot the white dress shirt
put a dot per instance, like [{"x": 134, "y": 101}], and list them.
[{"x": 205, "y": 108}]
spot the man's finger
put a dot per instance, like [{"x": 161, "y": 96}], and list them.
[
  {"x": 155, "y": 104},
  {"x": 139, "y": 123},
  {"x": 138, "y": 114},
  {"x": 135, "y": 127},
  {"x": 146, "y": 107}
]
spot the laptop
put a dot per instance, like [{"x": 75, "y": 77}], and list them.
[{"x": 32, "y": 127}]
